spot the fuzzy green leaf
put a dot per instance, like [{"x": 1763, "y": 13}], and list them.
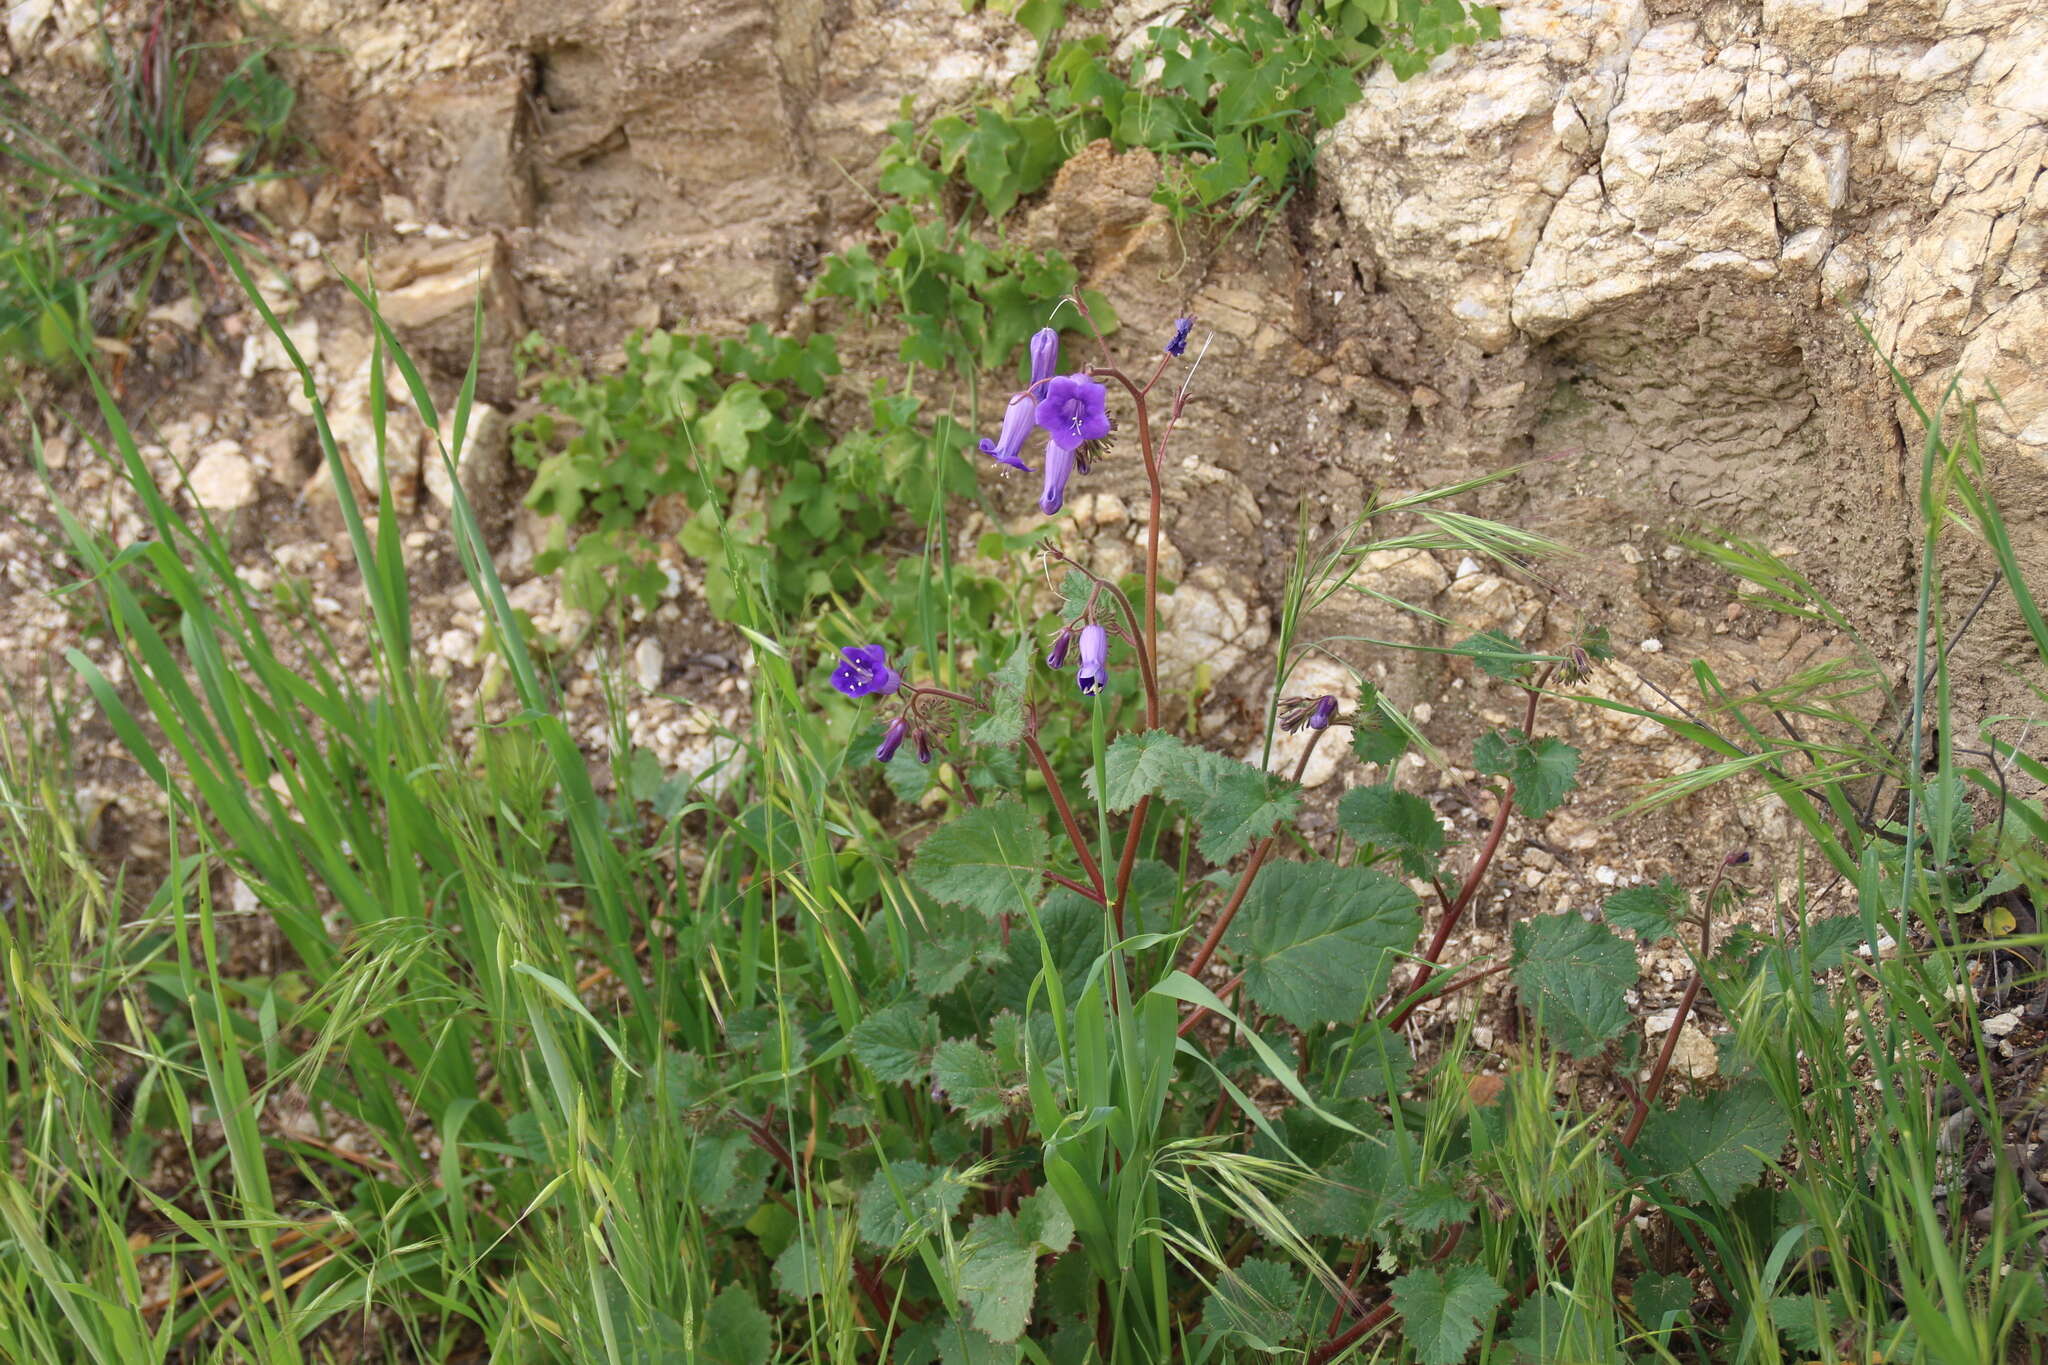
[
  {"x": 988, "y": 859},
  {"x": 1140, "y": 765},
  {"x": 999, "y": 1274},
  {"x": 1496, "y": 654},
  {"x": 1261, "y": 1301},
  {"x": 1646, "y": 911},
  {"x": 1543, "y": 770},
  {"x": 1576, "y": 975},
  {"x": 736, "y": 1331},
  {"x": 1657, "y": 1297},
  {"x": 1352, "y": 1195},
  {"x": 1004, "y": 723},
  {"x": 1395, "y": 822},
  {"x": 896, "y": 1043},
  {"x": 1232, "y": 803},
  {"x": 1441, "y": 1313},
  {"x": 1725, "y": 1137},
  {"x": 968, "y": 1076},
  {"x": 906, "y": 1201},
  {"x": 1317, "y": 941}
]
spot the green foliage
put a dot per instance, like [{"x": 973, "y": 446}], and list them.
[
  {"x": 1544, "y": 771},
  {"x": 1712, "y": 1147},
  {"x": 727, "y": 427},
  {"x": 1232, "y": 803},
  {"x": 1317, "y": 941},
  {"x": 999, "y": 1275},
  {"x": 1393, "y": 824},
  {"x": 1441, "y": 1314},
  {"x": 1646, "y": 911},
  {"x": 1575, "y": 975},
  {"x": 987, "y": 859}
]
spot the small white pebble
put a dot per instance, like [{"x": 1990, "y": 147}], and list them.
[
  {"x": 1652, "y": 646},
  {"x": 1606, "y": 876}
]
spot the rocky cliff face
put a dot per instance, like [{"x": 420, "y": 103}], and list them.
[{"x": 1632, "y": 235}]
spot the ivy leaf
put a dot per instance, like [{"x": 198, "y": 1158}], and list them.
[
  {"x": 999, "y": 1274},
  {"x": 1716, "y": 1140},
  {"x": 906, "y": 1200},
  {"x": 1543, "y": 770},
  {"x": 1646, "y": 911},
  {"x": 736, "y": 1331},
  {"x": 1004, "y": 723},
  {"x": 1317, "y": 941},
  {"x": 1441, "y": 1313},
  {"x": 1576, "y": 974},
  {"x": 896, "y": 1043},
  {"x": 968, "y": 1076},
  {"x": 988, "y": 859},
  {"x": 1394, "y": 822}
]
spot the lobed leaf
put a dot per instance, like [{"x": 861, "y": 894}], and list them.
[
  {"x": 1317, "y": 942},
  {"x": 1576, "y": 975}
]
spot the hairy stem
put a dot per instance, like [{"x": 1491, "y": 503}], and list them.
[{"x": 1074, "y": 835}]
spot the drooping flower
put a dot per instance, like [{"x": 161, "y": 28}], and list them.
[
  {"x": 1061, "y": 643},
  {"x": 892, "y": 740},
  {"x": 924, "y": 745},
  {"x": 1319, "y": 719},
  {"x": 1179, "y": 345},
  {"x": 1074, "y": 410},
  {"x": 1314, "y": 713},
  {"x": 1093, "y": 672},
  {"x": 1045, "y": 355},
  {"x": 1017, "y": 421},
  {"x": 1059, "y": 467},
  {"x": 864, "y": 672}
]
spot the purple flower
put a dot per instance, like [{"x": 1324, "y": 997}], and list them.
[
  {"x": 1059, "y": 467},
  {"x": 892, "y": 740},
  {"x": 1017, "y": 420},
  {"x": 1179, "y": 345},
  {"x": 1314, "y": 713},
  {"x": 1061, "y": 642},
  {"x": 1319, "y": 719},
  {"x": 1093, "y": 672},
  {"x": 1074, "y": 410},
  {"x": 924, "y": 745},
  {"x": 864, "y": 672},
  {"x": 1045, "y": 355}
]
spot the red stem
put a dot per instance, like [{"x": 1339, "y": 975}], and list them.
[{"x": 1074, "y": 837}]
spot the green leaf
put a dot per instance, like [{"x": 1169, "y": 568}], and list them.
[
  {"x": 1394, "y": 822},
  {"x": 988, "y": 859},
  {"x": 1576, "y": 974},
  {"x": 1432, "y": 1206},
  {"x": 1801, "y": 1319},
  {"x": 798, "y": 1271},
  {"x": 999, "y": 1273},
  {"x": 1232, "y": 803},
  {"x": 972, "y": 1084},
  {"x": 1317, "y": 941},
  {"x": 1375, "y": 738},
  {"x": 954, "y": 943},
  {"x": 1725, "y": 1137},
  {"x": 1658, "y": 1297},
  {"x": 1004, "y": 723},
  {"x": 736, "y": 1331},
  {"x": 896, "y": 1043},
  {"x": 1543, "y": 770},
  {"x": 1646, "y": 911},
  {"x": 905, "y": 1201},
  {"x": 1262, "y": 1301},
  {"x": 1353, "y": 1195},
  {"x": 1497, "y": 655},
  {"x": 729, "y": 427},
  {"x": 1441, "y": 1314}
]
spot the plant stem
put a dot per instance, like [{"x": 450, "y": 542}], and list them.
[
  {"x": 1074, "y": 835},
  {"x": 1244, "y": 883},
  {"x": 1655, "y": 1083},
  {"x": 1073, "y": 886},
  {"x": 1478, "y": 874}
]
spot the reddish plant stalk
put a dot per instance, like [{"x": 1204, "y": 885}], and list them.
[
  {"x": 1074, "y": 835},
  {"x": 1449, "y": 922}
]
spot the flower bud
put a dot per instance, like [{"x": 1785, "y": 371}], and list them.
[
  {"x": 1319, "y": 719},
  {"x": 1045, "y": 355},
  {"x": 892, "y": 740},
  {"x": 924, "y": 745},
  {"x": 1056, "y": 658}
]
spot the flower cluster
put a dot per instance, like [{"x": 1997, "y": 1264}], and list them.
[
  {"x": 1092, "y": 670},
  {"x": 1071, "y": 409},
  {"x": 1311, "y": 713}
]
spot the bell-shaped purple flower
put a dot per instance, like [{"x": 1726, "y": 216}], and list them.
[
  {"x": 1093, "y": 672},
  {"x": 924, "y": 745},
  {"x": 1319, "y": 718},
  {"x": 1045, "y": 355},
  {"x": 1179, "y": 345},
  {"x": 1059, "y": 467},
  {"x": 1074, "y": 410},
  {"x": 1056, "y": 658},
  {"x": 864, "y": 672},
  {"x": 1017, "y": 421},
  {"x": 892, "y": 740}
]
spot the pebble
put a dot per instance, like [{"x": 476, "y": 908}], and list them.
[
  {"x": 649, "y": 663},
  {"x": 223, "y": 479},
  {"x": 1652, "y": 646}
]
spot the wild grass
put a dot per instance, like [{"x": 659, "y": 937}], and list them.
[{"x": 544, "y": 1075}]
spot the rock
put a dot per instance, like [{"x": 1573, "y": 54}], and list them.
[
  {"x": 1207, "y": 628},
  {"x": 488, "y": 182},
  {"x": 223, "y": 479},
  {"x": 482, "y": 465},
  {"x": 1315, "y": 676},
  {"x": 650, "y": 664},
  {"x": 183, "y": 314}
]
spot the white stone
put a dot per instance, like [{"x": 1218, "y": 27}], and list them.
[
  {"x": 223, "y": 479},
  {"x": 649, "y": 663}
]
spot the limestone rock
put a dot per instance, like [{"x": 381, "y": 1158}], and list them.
[
  {"x": 482, "y": 465},
  {"x": 223, "y": 479},
  {"x": 1210, "y": 626}
]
